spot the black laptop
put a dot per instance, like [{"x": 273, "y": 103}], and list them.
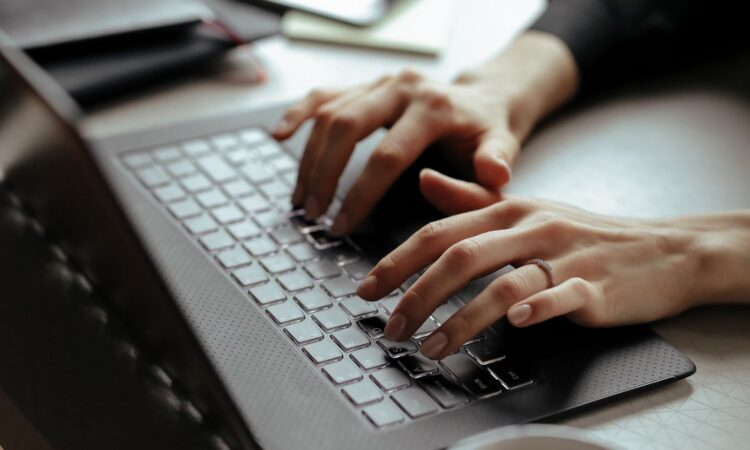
[{"x": 189, "y": 234}]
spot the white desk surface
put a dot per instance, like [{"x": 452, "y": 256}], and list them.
[{"x": 680, "y": 150}]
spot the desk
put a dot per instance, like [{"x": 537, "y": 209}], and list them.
[{"x": 651, "y": 152}]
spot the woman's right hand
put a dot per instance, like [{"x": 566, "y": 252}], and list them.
[{"x": 477, "y": 123}]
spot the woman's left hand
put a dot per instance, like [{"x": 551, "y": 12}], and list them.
[{"x": 608, "y": 271}]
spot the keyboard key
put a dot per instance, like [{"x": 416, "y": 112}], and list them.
[
  {"x": 217, "y": 240},
  {"x": 322, "y": 239},
  {"x": 243, "y": 230},
  {"x": 363, "y": 393},
  {"x": 313, "y": 300},
  {"x": 184, "y": 209},
  {"x": 331, "y": 320},
  {"x": 285, "y": 313},
  {"x": 275, "y": 189},
  {"x": 256, "y": 173},
  {"x": 410, "y": 282},
  {"x": 383, "y": 414},
  {"x": 426, "y": 328},
  {"x": 390, "y": 379},
  {"x": 271, "y": 218},
  {"x": 358, "y": 270},
  {"x": 169, "y": 193},
  {"x": 473, "y": 377},
  {"x": 487, "y": 351},
  {"x": 303, "y": 224},
  {"x": 181, "y": 168},
  {"x": 290, "y": 177},
  {"x": 373, "y": 326},
  {"x": 350, "y": 339},
  {"x": 323, "y": 352},
  {"x": 511, "y": 374},
  {"x": 201, "y": 224},
  {"x": 286, "y": 236},
  {"x": 397, "y": 349},
  {"x": 252, "y": 136},
  {"x": 216, "y": 168},
  {"x": 196, "y": 183},
  {"x": 260, "y": 246},
  {"x": 212, "y": 198},
  {"x": 269, "y": 149},
  {"x": 238, "y": 156},
  {"x": 343, "y": 253},
  {"x": 196, "y": 147},
  {"x": 166, "y": 154},
  {"x": 225, "y": 141},
  {"x": 447, "y": 393},
  {"x": 417, "y": 366},
  {"x": 234, "y": 257},
  {"x": 340, "y": 287},
  {"x": 137, "y": 160},
  {"x": 358, "y": 308},
  {"x": 250, "y": 275},
  {"x": 342, "y": 372},
  {"x": 295, "y": 281},
  {"x": 322, "y": 269},
  {"x": 370, "y": 358},
  {"x": 238, "y": 188},
  {"x": 444, "y": 312},
  {"x": 302, "y": 252},
  {"x": 415, "y": 402},
  {"x": 153, "y": 176},
  {"x": 267, "y": 294},
  {"x": 390, "y": 303},
  {"x": 254, "y": 203},
  {"x": 283, "y": 163},
  {"x": 227, "y": 214},
  {"x": 277, "y": 263},
  {"x": 304, "y": 332}
]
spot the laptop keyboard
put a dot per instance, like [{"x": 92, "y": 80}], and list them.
[{"x": 231, "y": 193}]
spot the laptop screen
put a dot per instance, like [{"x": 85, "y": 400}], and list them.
[{"x": 44, "y": 161}]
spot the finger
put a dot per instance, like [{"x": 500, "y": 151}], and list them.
[
  {"x": 453, "y": 196},
  {"x": 316, "y": 140},
  {"x": 484, "y": 310},
  {"x": 494, "y": 157},
  {"x": 348, "y": 125},
  {"x": 429, "y": 242},
  {"x": 566, "y": 298},
  {"x": 461, "y": 263},
  {"x": 301, "y": 111},
  {"x": 409, "y": 136}
]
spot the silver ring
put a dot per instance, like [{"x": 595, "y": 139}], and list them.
[{"x": 544, "y": 265}]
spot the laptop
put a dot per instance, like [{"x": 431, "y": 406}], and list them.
[{"x": 188, "y": 233}]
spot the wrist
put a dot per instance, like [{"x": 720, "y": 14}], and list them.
[
  {"x": 534, "y": 76},
  {"x": 721, "y": 258}
]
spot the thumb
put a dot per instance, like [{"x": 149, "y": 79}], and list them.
[
  {"x": 493, "y": 158},
  {"x": 452, "y": 196}
]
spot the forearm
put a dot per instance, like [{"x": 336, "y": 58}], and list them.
[{"x": 537, "y": 73}]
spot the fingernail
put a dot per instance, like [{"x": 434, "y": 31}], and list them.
[
  {"x": 519, "y": 314},
  {"x": 395, "y": 327},
  {"x": 367, "y": 287},
  {"x": 281, "y": 126},
  {"x": 340, "y": 225},
  {"x": 434, "y": 345},
  {"x": 311, "y": 208}
]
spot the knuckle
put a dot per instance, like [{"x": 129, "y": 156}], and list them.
[
  {"x": 325, "y": 114},
  {"x": 387, "y": 159},
  {"x": 409, "y": 76},
  {"x": 316, "y": 95},
  {"x": 430, "y": 232},
  {"x": 343, "y": 122},
  {"x": 436, "y": 99},
  {"x": 508, "y": 290},
  {"x": 463, "y": 253},
  {"x": 516, "y": 207},
  {"x": 554, "y": 226}
]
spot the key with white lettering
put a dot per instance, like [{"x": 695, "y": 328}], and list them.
[
  {"x": 472, "y": 376},
  {"x": 447, "y": 393}
]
